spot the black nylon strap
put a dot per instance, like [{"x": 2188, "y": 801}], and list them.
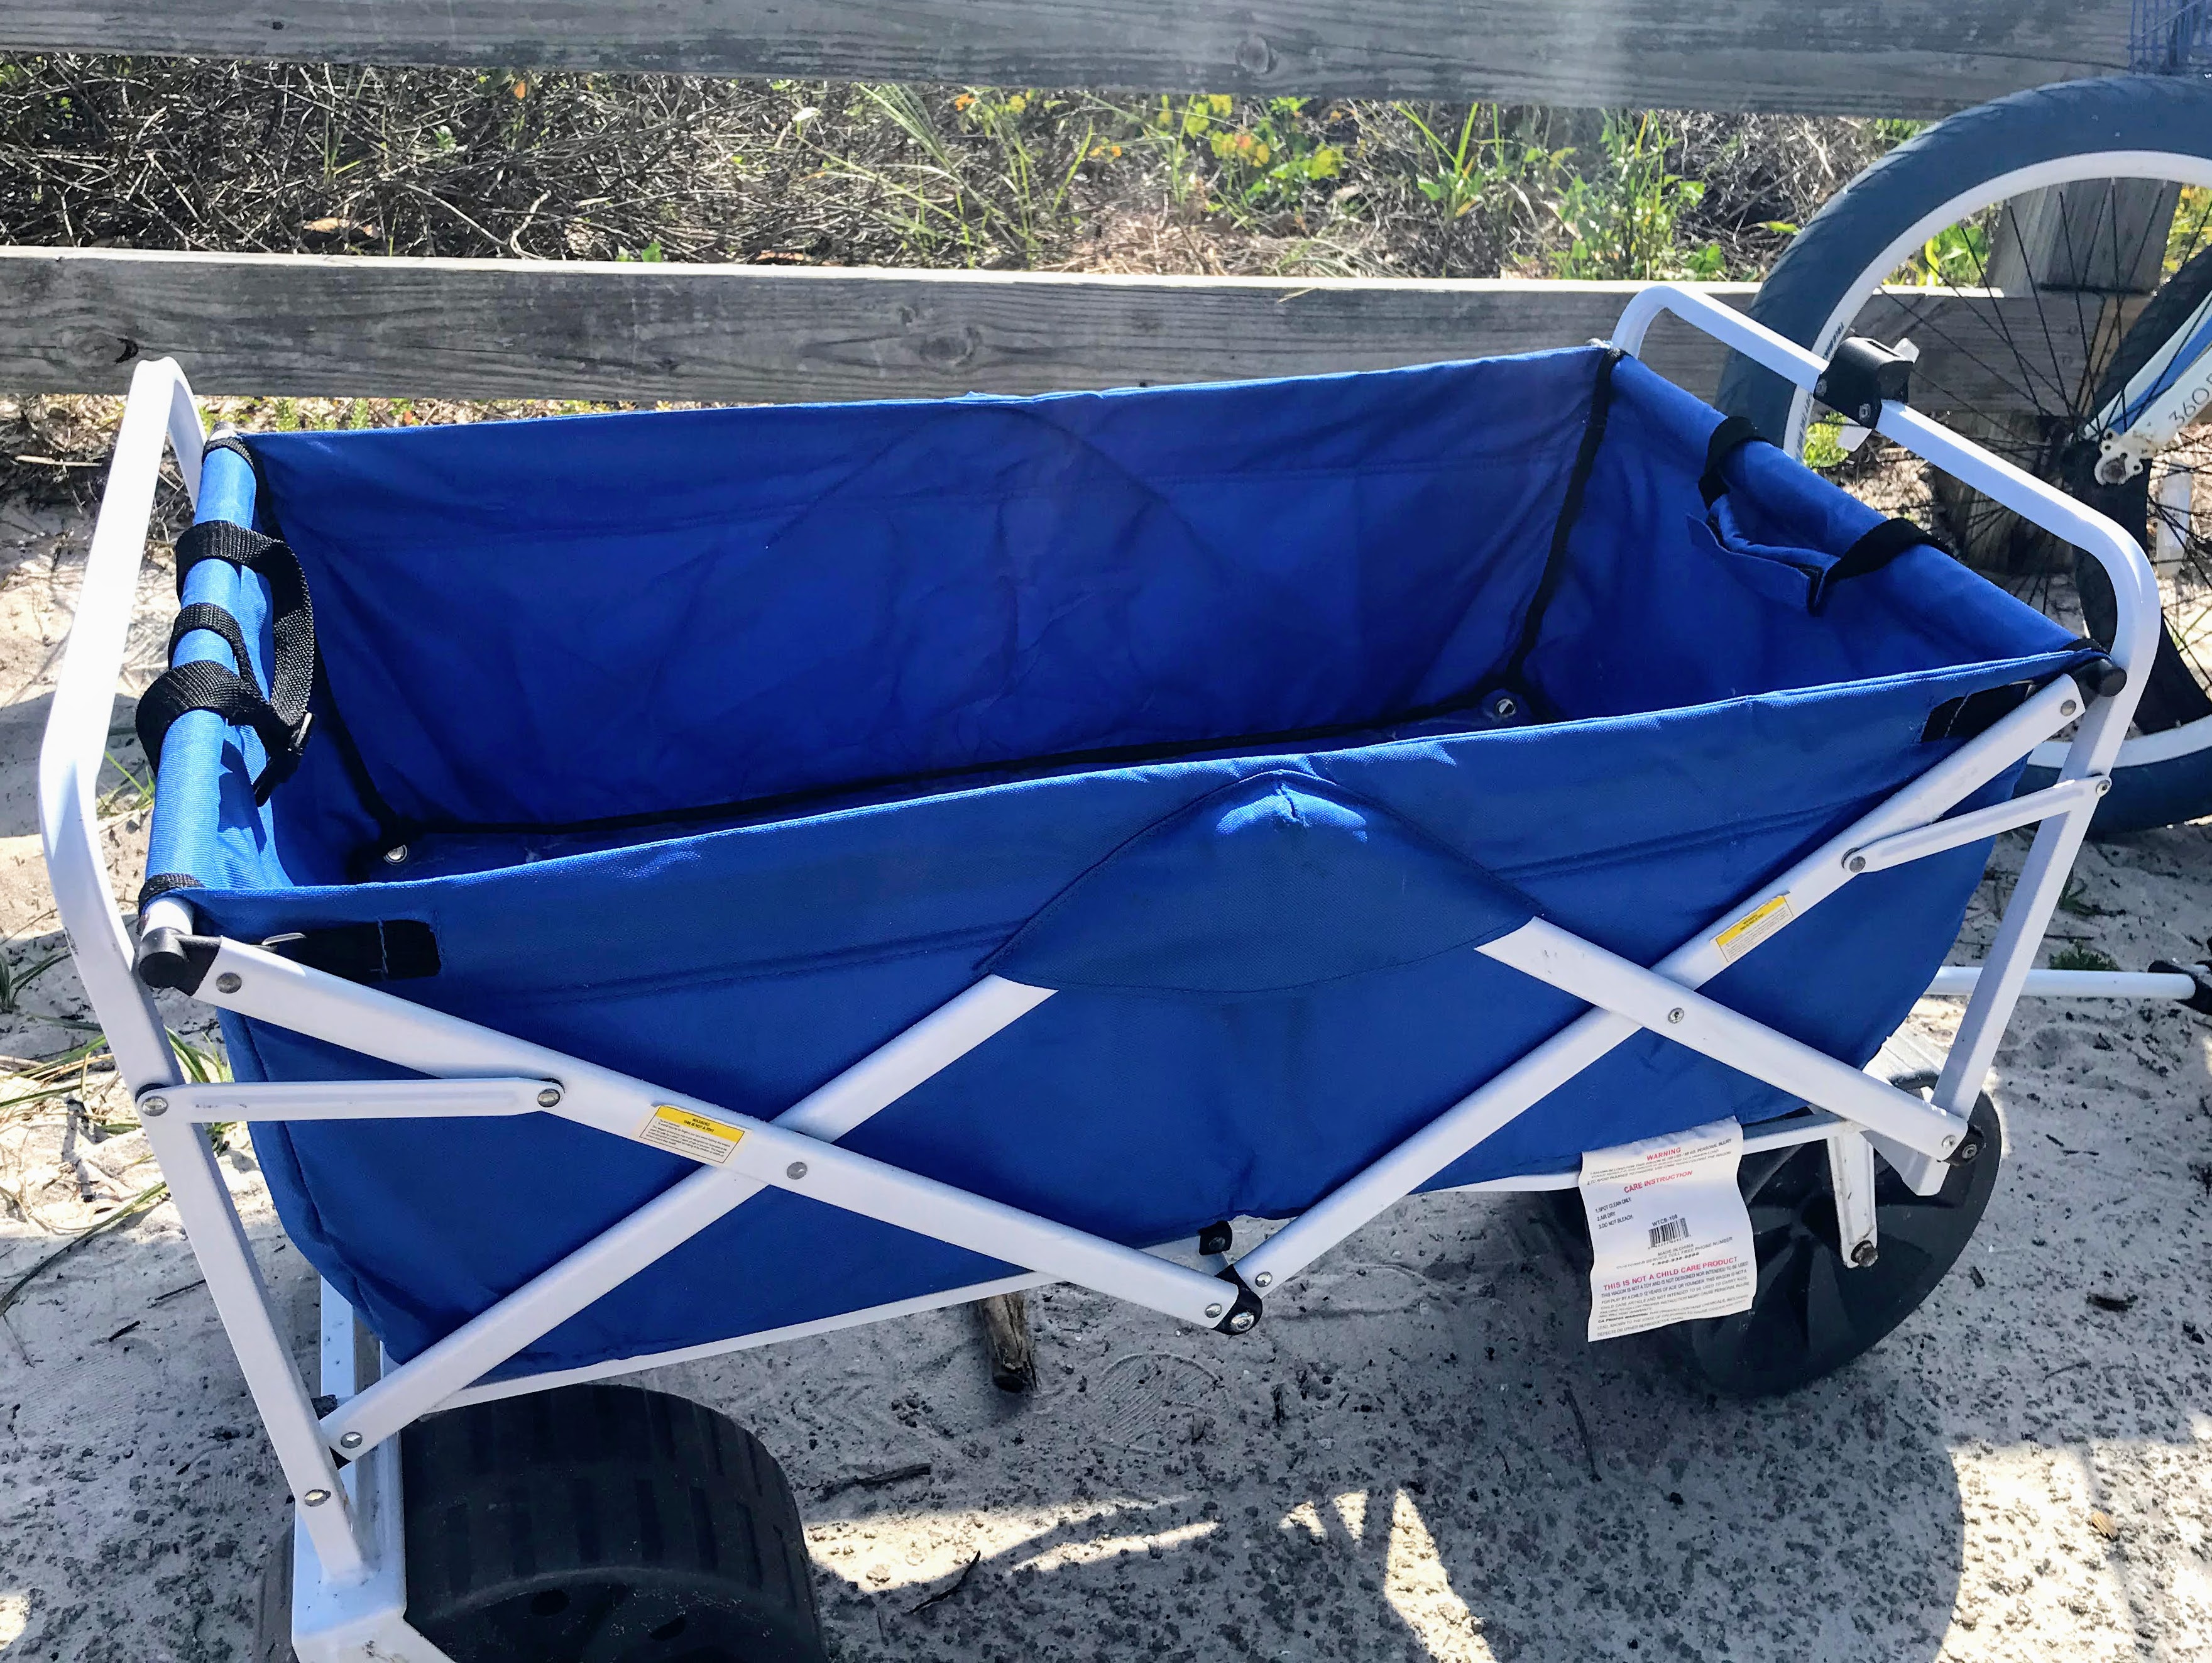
[
  {"x": 205, "y": 686},
  {"x": 292, "y": 620},
  {"x": 215, "y": 620},
  {"x": 1516, "y": 671},
  {"x": 163, "y": 883},
  {"x": 1730, "y": 436},
  {"x": 1870, "y": 553}
]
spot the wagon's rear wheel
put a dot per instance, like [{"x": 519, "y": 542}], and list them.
[
  {"x": 1813, "y": 1312},
  {"x": 603, "y": 1524},
  {"x": 593, "y": 1524}
]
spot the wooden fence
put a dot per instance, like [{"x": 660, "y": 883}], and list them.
[
  {"x": 74, "y": 319},
  {"x": 1899, "y": 58}
]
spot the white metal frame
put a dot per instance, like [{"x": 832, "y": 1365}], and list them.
[
  {"x": 2173, "y": 166},
  {"x": 349, "y": 1598}
]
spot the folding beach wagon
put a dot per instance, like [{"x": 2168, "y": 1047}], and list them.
[{"x": 676, "y": 882}]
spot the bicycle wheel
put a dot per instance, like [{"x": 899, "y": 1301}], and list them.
[{"x": 2035, "y": 249}]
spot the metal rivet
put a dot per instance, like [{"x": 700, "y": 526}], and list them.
[
  {"x": 1864, "y": 1254},
  {"x": 2104, "y": 785},
  {"x": 316, "y": 1497},
  {"x": 1857, "y": 863},
  {"x": 226, "y": 983},
  {"x": 1212, "y": 1313},
  {"x": 155, "y": 1107},
  {"x": 350, "y": 1440},
  {"x": 1265, "y": 1279},
  {"x": 396, "y": 855},
  {"x": 1240, "y": 1322},
  {"x": 2069, "y": 707},
  {"x": 1969, "y": 1149},
  {"x": 1675, "y": 1014},
  {"x": 548, "y": 1098},
  {"x": 795, "y": 1171}
]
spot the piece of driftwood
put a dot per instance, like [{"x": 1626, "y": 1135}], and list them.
[
  {"x": 1891, "y": 58},
  {"x": 1005, "y": 1319},
  {"x": 76, "y": 320}
]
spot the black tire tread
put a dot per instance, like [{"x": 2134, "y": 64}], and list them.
[{"x": 599, "y": 1482}]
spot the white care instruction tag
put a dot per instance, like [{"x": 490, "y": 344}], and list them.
[{"x": 1670, "y": 1236}]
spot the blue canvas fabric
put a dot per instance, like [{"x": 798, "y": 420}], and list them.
[{"x": 724, "y": 745}]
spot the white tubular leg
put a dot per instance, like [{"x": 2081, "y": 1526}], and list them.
[
  {"x": 1850, "y": 1179},
  {"x": 241, "y": 1301}
]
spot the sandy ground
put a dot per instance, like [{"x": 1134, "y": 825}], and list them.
[{"x": 1416, "y": 1455}]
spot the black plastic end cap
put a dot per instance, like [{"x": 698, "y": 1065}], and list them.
[
  {"x": 2201, "y": 1000},
  {"x": 1862, "y": 376},
  {"x": 171, "y": 958},
  {"x": 1242, "y": 1317},
  {"x": 1216, "y": 1239},
  {"x": 2101, "y": 678}
]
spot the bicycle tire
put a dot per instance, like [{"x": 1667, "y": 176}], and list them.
[{"x": 2145, "y": 126}]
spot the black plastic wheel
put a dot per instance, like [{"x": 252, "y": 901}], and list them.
[
  {"x": 1813, "y": 1312},
  {"x": 603, "y": 1524}
]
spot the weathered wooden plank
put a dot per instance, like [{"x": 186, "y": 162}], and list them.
[
  {"x": 1900, "y": 58},
  {"x": 73, "y": 320}
]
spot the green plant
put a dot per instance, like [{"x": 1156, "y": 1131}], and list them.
[
  {"x": 1622, "y": 223},
  {"x": 134, "y": 794},
  {"x": 13, "y": 980},
  {"x": 1957, "y": 257},
  {"x": 1490, "y": 172},
  {"x": 1265, "y": 155},
  {"x": 1824, "y": 446},
  {"x": 2074, "y": 956}
]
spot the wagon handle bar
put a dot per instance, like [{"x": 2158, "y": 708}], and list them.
[
  {"x": 2135, "y": 587},
  {"x": 160, "y": 408}
]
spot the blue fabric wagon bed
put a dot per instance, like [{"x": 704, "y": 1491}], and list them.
[{"x": 719, "y": 747}]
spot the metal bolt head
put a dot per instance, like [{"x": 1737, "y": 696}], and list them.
[
  {"x": 153, "y": 1107},
  {"x": 350, "y": 1440},
  {"x": 1265, "y": 1279},
  {"x": 316, "y": 1497},
  {"x": 1213, "y": 1312},
  {"x": 550, "y": 1097},
  {"x": 1864, "y": 1254},
  {"x": 1969, "y": 1150},
  {"x": 396, "y": 855},
  {"x": 1675, "y": 1014},
  {"x": 796, "y": 1171},
  {"x": 227, "y": 983},
  {"x": 1241, "y": 1323},
  {"x": 2069, "y": 707},
  {"x": 1857, "y": 863}
]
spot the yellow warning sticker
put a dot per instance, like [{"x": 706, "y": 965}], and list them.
[
  {"x": 1754, "y": 926},
  {"x": 682, "y": 1132}
]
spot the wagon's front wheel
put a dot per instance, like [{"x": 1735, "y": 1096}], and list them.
[{"x": 1813, "y": 1312}]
